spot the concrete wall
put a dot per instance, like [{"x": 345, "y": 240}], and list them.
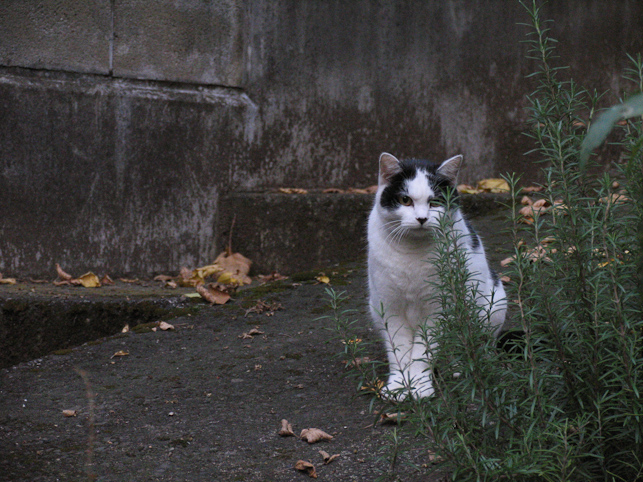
[{"x": 126, "y": 126}]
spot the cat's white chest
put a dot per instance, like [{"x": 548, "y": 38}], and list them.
[{"x": 399, "y": 278}]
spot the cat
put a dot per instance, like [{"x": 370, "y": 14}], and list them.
[{"x": 401, "y": 228}]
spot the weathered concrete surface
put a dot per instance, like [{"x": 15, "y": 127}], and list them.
[
  {"x": 60, "y": 35},
  {"x": 102, "y": 171},
  {"x": 186, "y": 41},
  {"x": 130, "y": 185},
  {"x": 295, "y": 232}
]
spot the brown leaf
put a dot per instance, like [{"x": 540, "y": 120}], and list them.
[
  {"x": 163, "y": 326},
  {"x": 7, "y": 281},
  {"x": 392, "y": 417},
  {"x": 286, "y": 429},
  {"x": 306, "y": 467},
  {"x": 274, "y": 276},
  {"x": 506, "y": 261},
  {"x": 332, "y": 190},
  {"x": 254, "y": 332},
  {"x": 327, "y": 457},
  {"x": 62, "y": 275},
  {"x": 313, "y": 435},
  {"x": 357, "y": 190},
  {"x": 129, "y": 280},
  {"x": 120, "y": 353},
  {"x": 292, "y": 190},
  {"x": 526, "y": 201},
  {"x": 106, "y": 280},
  {"x": 69, "y": 413},
  {"x": 235, "y": 263},
  {"x": 213, "y": 294},
  {"x": 163, "y": 277},
  {"x": 434, "y": 458}
]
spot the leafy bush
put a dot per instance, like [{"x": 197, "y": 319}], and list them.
[{"x": 565, "y": 402}]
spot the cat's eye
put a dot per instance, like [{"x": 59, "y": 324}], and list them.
[{"x": 405, "y": 200}]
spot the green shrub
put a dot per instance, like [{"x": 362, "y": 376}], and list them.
[{"x": 565, "y": 403}]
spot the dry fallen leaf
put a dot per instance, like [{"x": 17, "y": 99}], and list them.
[
  {"x": 615, "y": 199},
  {"x": 62, "y": 275},
  {"x": 532, "y": 189},
  {"x": 313, "y": 435},
  {"x": 254, "y": 332},
  {"x": 163, "y": 326},
  {"x": 306, "y": 467},
  {"x": 292, "y": 190},
  {"x": 7, "y": 281},
  {"x": 88, "y": 280},
  {"x": 493, "y": 185},
  {"x": 236, "y": 264},
  {"x": 125, "y": 329},
  {"x": 213, "y": 294},
  {"x": 120, "y": 353},
  {"x": 467, "y": 189},
  {"x": 332, "y": 190},
  {"x": 69, "y": 413},
  {"x": 392, "y": 417},
  {"x": 106, "y": 280},
  {"x": 286, "y": 429},
  {"x": 274, "y": 276},
  {"x": 434, "y": 458},
  {"x": 327, "y": 457},
  {"x": 323, "y": 279}
]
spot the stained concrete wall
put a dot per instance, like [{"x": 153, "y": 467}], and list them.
[{"x": 126, "y": 126}]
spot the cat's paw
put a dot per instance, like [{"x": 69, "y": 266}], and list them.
[{"x": 398, "y": 389}]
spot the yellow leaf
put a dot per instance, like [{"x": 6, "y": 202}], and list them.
[
  {"x": 7, "y": 281},
  {"x": 120, "y": 353},
  {"x": 323, "y": 279},
  {"x": 205, "y": 271},
  {"x": 466, "y": 189},
  {"x": 227, "y": 278},
  {"x": 89, "y": 280},
  {"x": 292, "y": 190},
  {"x": 493, "y": 185}
]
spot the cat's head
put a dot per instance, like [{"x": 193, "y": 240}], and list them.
[{"x": 412, "y": 192}]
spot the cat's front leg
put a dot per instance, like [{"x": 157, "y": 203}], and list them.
[{"x": 409, "y": 368}]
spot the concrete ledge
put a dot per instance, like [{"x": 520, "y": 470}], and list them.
[{"x": 295, "y": 232}]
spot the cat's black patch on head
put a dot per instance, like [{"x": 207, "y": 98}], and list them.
[{"x": 409, "y": 169}]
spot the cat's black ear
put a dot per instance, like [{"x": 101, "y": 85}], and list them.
[
  {"x": 450, "y": 168},
  {"x": 389, "y": 167}
]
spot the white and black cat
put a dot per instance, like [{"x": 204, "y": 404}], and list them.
[{"x": 401, "y": 229}]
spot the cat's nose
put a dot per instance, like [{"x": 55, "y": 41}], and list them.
[{"x": 421, "y": 220}]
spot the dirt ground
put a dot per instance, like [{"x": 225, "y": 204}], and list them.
[{"x": 203, "y": 401}]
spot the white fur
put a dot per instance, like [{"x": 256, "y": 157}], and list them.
[{"x": 399, "y": 252}]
